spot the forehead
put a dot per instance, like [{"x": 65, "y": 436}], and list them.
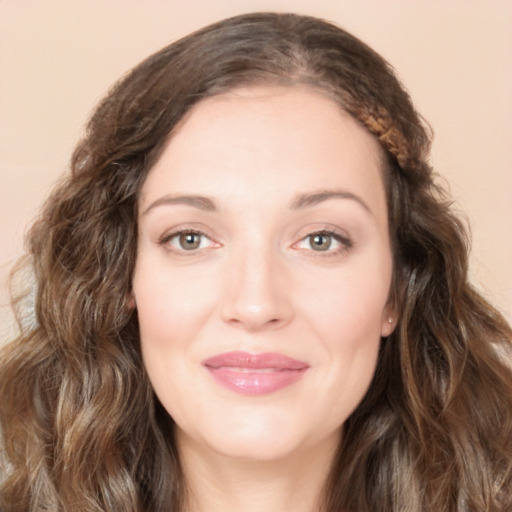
[{"x": 267, "y": 136}]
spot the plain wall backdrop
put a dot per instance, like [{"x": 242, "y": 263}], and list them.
[{"x": 57, "y": 58}]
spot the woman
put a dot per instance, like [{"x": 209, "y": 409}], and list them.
[{"x": 251, "y": 293}]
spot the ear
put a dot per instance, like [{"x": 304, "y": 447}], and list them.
[
  {"x": 130, "y": 301},
  {"x": 388, "y": 321}
]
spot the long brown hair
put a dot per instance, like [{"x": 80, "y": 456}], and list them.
[{"x": 81, "y": 427}]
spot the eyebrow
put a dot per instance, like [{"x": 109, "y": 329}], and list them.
[
  {"x": 314, "y": 198},
  {"x": 201, "y": 202},
  {"x": 300, "y": 201}
]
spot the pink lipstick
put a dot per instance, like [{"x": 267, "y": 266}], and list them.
[{"x": 255, "y": 374}]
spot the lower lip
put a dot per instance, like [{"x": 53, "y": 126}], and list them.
[{"x": 256, "y": 382}]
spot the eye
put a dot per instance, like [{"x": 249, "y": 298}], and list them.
[
  {"x": 324, "y": 241},
  {"x": 187, "y": 240},
  {"x": 320, "y": 241}
]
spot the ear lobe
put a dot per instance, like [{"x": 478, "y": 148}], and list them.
[
  {"x": 388, "y": 322},
  {"x": 130, "y": 301}
]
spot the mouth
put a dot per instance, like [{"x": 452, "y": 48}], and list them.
[{"x": 255, "y": 374}]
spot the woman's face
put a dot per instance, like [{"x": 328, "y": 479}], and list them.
[{"x": 263, "y": 272}]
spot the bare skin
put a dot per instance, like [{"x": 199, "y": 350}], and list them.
[{"x": 263, "y": 230}]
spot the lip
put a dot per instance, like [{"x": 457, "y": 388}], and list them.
[{"x": 255, "y": 374}]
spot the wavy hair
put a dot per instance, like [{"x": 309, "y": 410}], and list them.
[{"x": 81, "y": 427}]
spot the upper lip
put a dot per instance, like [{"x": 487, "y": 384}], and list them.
[{"x": 239, "y": 359}]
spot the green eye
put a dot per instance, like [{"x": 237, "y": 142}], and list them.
[
  {"x": 189, "y": 241},
  {"x": 329, "y": 242},
  {"x": 320, "y": 241}
]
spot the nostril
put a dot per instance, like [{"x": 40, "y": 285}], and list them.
[{"x": 254, "y": 298}]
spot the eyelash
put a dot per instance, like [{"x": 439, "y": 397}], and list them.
[
  {"x": 167, "y": 238},
  {"x": 345, "y": 243}
]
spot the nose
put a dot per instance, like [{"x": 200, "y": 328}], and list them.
[{"x": 257, "y": 295}]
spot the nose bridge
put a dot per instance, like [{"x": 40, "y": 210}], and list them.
[{"x": 255, "y": 294}]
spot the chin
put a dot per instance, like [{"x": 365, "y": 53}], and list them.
[
  {"x": 255, "y": 448},
  {"x": 256, "y": 436}
]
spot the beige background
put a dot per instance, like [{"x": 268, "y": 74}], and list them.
[{"x": 57, "y": 58}]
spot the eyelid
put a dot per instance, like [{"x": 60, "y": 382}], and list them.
[
  {"x": 342, "y": 238},
  {"x": 169, "y": 235}
]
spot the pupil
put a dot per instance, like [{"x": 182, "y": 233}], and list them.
[
  {"x": 189, "y": 241},
  {"x": 321, "y": 242}
]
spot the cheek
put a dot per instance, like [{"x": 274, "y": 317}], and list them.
[
  {"x": 347, "y": 315},
  {"x": 349, "y": 327},
  {"x": 171, "y": 311},
  {"x": 349, "y": 304},
  {"x": 170, "y": 303}
]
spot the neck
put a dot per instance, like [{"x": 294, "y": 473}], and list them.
[{"x": 218, "y": 483}]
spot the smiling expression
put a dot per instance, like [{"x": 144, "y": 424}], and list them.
[{"x": 263, "y": 271}]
